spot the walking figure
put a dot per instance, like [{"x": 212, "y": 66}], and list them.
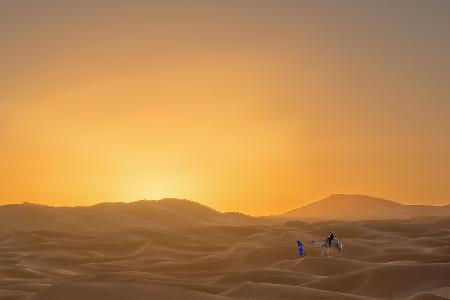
[{"x": 300, "y": 249}]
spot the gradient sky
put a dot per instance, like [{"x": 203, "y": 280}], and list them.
[{"x": 253, "y": 106}]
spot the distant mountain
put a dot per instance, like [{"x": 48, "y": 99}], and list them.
[
  {"x": 362, "y": 207},
  {"x": 150, "y": 214},
  {"x": 173, "y": 214}
]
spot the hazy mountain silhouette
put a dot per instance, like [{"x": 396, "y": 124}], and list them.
[
  {"x": 168, "y": 214},
  {"x": 362, "y": 207},
  {"x": 150, "y": 214}
]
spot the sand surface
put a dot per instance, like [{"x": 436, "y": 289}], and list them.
[{"x": 384, "y": 259}]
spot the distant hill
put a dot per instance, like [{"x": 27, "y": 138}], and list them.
[
  {"x": 362, "y": 207},
  {"x": 173, "y": 214},
  {"x": 149, "y": 214}
]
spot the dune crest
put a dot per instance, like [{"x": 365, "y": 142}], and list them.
[{"x": 362, "y": 207}]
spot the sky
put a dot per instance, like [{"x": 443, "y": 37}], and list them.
[{"x": 250, "y": 106}]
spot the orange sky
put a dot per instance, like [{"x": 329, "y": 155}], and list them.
[{"x": 254, "y": 106}]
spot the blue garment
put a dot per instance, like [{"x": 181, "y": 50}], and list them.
[{"x": 300, "y": 248}]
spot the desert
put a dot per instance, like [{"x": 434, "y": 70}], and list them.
[
  {"x": 198, "y": 149},
  {"x": 172, "y": 249}
]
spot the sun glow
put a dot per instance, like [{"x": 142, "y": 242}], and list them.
[{"x": 260, "y": 115}]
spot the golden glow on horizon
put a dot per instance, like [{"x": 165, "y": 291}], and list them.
[{"x": 259, "y": 115}]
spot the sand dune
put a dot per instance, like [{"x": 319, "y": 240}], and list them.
[
  {"x": 251, "y": 290},
  {"x": 427, "y": 296},
  {"x": 118, "y": 291},
  {"x": 159, "y": 215},
  {"x": 205, "y": 254},
  {"x": 361, "y": 207},
  {"x": 389, "y": 280},
  {"x": 323, "y": 266}
]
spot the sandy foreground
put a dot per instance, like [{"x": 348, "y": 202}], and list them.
[{"x": 380, "y": 259}]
